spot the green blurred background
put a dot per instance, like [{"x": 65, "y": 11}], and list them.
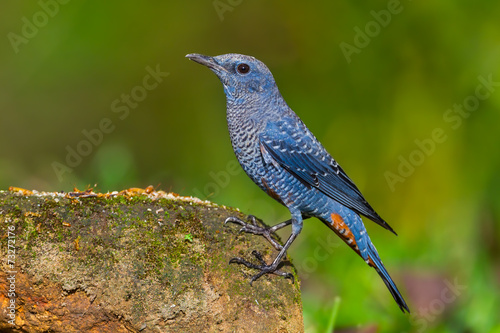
[{"x": 62, "y": 65}]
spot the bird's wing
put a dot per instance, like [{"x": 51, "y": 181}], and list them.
[{"x": 294, "y": 148}]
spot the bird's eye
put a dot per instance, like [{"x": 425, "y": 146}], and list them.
[{"x": 243, "y": 68}]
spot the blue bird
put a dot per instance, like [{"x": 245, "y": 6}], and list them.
[{"x": 281, "y": 155}]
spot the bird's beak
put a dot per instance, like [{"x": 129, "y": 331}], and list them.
[{"x": 206, "y": 61}]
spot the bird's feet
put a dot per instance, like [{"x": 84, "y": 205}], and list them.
[
  {"x": 255, "y": 229},
  {"x": 263, "y": 267},
  {"x": 267, "y": 233}
]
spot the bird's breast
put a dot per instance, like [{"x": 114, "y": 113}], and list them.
[{"x": 245, "y": 141}]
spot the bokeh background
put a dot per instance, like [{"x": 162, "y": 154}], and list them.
[{"x": 386, "y": 105}]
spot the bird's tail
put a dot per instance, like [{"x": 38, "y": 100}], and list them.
[
  {"x": 375, "y": 262},
  {"x": 354, "y": 234}
]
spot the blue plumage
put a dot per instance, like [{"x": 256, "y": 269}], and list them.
[{"x": 281, "y": 155}]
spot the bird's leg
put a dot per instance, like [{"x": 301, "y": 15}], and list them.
[
  {"x": 253, "y": 228},
  {"x": 263, "y": 267}
]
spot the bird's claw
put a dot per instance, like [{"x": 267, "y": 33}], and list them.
[
  {"x": 263, "y": 267},
  {"x": 234, "y": 219},
  {"x": 255, "y": 229}
]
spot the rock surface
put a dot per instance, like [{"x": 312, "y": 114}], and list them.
[{"x": 134, "y": 261}]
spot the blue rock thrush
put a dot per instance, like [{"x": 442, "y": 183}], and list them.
[{"x": 281, "y": 155}]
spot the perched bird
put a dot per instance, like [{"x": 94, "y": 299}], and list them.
[{"x": 281, "y": 155}]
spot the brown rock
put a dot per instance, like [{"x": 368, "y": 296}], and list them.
[{"x": 133, "y": 261}]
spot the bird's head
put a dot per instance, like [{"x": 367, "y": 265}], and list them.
[{"x": 241, "y": 75}]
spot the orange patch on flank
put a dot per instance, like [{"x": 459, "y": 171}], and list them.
[{"x": 341, "y": 229}]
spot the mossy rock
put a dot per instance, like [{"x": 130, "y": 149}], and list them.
[{"x": 135, "y": 261}]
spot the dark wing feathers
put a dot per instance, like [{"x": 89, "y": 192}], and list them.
[{"x": 306, "y": 159}]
